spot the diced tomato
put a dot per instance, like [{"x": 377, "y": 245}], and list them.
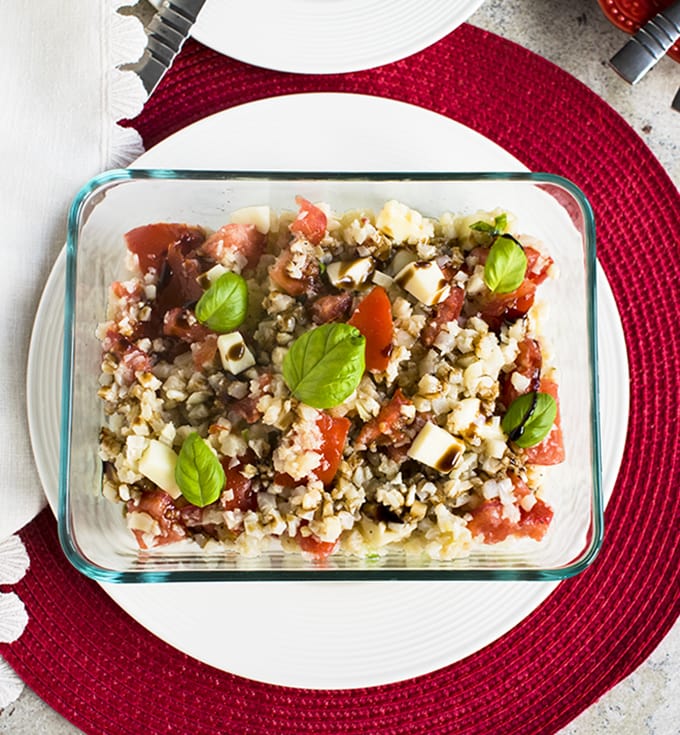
[
  {"x": 134, "y": 361},
  {"x": 314, "y": 545},
  {"x": 444, "y": 313},
  {"x": 244, "y": 498},
  {"x": 537, "y": 265},
  {"x": 238, "y": 239},
  {"x": 535, "y": 522},
  {"x": 150, "y": 243},
  {"x": 331, "y": 308},
  {"x": 551, "y": 449},
  {"x": 182, "y": 323},
  {"x": 388, "y": 426},
  {"x": 178, "y": 284},
  {"x": 309, "y": 283},
  {"x": 495, "y": 308},
  {"x": 311, "y": 222},
  {"x": 528, "y": 363},
  {"x": 373, "y": 318},
  {"x": 489, "y": 522},
  {"x": 334, "y": 431},
  {"x": 204, "y": 352},
  {"x": 161, "y": 507}
]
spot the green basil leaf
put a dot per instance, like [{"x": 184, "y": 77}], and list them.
[
  {"x": 482, "y": 226},
  {"x": 499, "y": 226},
  {"x": 324, "y": 366},
  {"x": 529, "y": 418},
  {"x": 198, "y": 472},
  {"x": 223, "y": 306},
  {"x": 505, "y": 265}
]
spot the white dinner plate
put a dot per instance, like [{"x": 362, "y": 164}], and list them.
[
  {"x": 324, "y": 634},
  {"x": 326, "y": 36}
]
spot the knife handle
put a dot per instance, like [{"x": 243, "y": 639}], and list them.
[
  {"x": 648, "y": 45},
  {"x": 167, "y": 32}
]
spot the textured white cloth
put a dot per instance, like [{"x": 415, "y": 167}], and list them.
[{"x": 62, "y": 94}]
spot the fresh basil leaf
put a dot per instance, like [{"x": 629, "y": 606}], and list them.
[
  {"x": 482, "y": 226},
  {"x": 198, "y": 472},
  {"x": 324, "y": 366},
  {"x": 529, "y": 418},
  {"x": 505, "y": 265},
  {"x": 499, "y": 226},
  {"x": 224, "y": 305}
]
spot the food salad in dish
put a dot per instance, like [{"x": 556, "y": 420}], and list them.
[{"x": 331, "y": 383}]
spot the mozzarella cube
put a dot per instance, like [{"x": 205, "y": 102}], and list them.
[
  {"x": 234, "y": 354},
  {"x": 157, "y": 463},
  {"x": 210, "y": 276},
  {"x": 349, "y": 273},
  {"x": 436, "y": 448},
  {"x": 425, "y": 280},
  {"x": 382, "y": 279},
  {"x": 401, "y": 259},
  {"x": 261, "y": 217},
  {"x": 402, "y": 224}
]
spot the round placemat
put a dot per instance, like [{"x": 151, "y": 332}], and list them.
[{"x": 87, "y": 659}]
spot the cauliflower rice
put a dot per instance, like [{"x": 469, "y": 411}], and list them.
[{"x": 457, "y": 354}]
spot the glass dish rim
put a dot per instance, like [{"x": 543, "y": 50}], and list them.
[{"x": 508, "y": 573}]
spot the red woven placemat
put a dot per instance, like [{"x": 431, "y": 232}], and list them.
[{"x": 91, "y": 662}]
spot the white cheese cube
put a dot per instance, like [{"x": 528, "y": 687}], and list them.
[
  {"x": 157, "y": 463},
  {"x": 235, "y": 356},
  {"x": 403, "y": 224},
  {"x": 349, "y": 273},
  {"x": 424, "y": 280},
  {"x": 400, "y": 260},
  {"x": 210, "y": 276},
  {"x": 261, "y": 217},
  {"x": 382, "y": 279},
  {"x": 436, "y": 448}
]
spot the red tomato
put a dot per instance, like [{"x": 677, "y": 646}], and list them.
[
  {"x": 537, "y": 265},
  {"x": 495, "y": 308},
  {"x": 527, "y": 363},
  {"x": 314, "y": 545},
  {"x": 334, "y": 432},
  {"x": 534, "y": 523},
  {"x": 333, "y": 437},
  {"x": 444, "y": 313},
  {"x": 310, "y": 223},
  {"x": 244, "y": 240},
  {"x": 182, "y": 323},
  {"x": 387, "y": 428},
  {"x": 551, "y": 449},
  {"x": 150, "y": 243},
  {"x": 161, "y": 507},
  {"x": 309, "y": 283},
  {"x": 488, "y": 520},
  {"x": 244, "y": 498},
  {"x": 203, "y": 352},
  {"x": 373, "y": 318}
]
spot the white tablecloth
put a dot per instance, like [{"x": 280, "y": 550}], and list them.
[{"x": 62, "y": 95}]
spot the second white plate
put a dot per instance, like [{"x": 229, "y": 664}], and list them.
[
  {"x": 325, "y": 635},
  {"x": 326, "y": 36}
]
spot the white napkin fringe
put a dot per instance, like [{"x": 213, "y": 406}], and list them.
[{"x": 125, "y": 92}]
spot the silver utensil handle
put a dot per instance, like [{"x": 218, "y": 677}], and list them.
[
  {"x": 648, "y": 45},
  {"x": 167, "y": 32}
]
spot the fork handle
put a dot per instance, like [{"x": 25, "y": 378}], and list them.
[
  {"x": 648, "y": 45},
  {"x": 166, "y": 34}
]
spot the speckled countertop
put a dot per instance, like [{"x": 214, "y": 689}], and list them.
[{"x": 575, "y": 36}]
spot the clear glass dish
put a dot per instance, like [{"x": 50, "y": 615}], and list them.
[{"x": 91, "y": 528}]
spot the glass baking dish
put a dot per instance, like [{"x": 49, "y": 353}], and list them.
[{"x": 92, "y": 530}]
